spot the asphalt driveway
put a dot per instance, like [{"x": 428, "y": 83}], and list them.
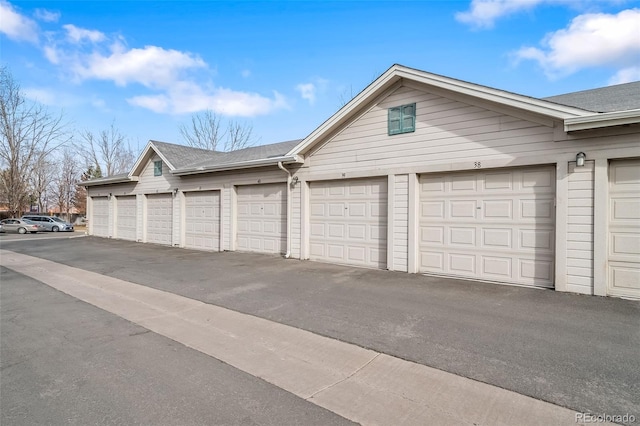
[{"x": 579, "y": 352}]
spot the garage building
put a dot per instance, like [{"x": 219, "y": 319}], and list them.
[{"x": 418, "y": 173}]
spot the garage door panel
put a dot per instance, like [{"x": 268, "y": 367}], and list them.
[
  {"x": 127, "y": 217},
  {"x": 497, "y": 238},
  {"x": 482, "y": 225},
  {"x": 100, "y": 216},
  {"x": 498, "y": 267},
  {"x": 202, "y": 220},
  {"x": 624, "y": 228},
  {"x": 261, "y": 220},
  {"x": 159, "y": 218},
  {"x": 349, "y": 221}
]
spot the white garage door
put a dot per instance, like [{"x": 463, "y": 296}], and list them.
[
  {"x": 349, "y": 222},
  {"x": 159, "y": 218},
  {"x": 624, "y": 228},
  {"x": 100, "y": 216},
  {"x": 495, "y": 225},
  {"x": 127, "y": 217},
  {"x": 261, "y": 218},
  {"x": 202, "y": 220}
]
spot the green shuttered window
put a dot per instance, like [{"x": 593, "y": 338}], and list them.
[
  {"x": 157, "y": 168},
  {"x": 402, "y": 119}
]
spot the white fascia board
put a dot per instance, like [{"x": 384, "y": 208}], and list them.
[
  {"x": 605, "y": 119},
  {"x": 286, "y": 159},
  {"x": 150, "y": 146},
  {"x": 495, "y": 95},
  {"x": 379, "y": 85},
  {"x": 398, "y": 72},
  {"x": 108, "y": 181}
]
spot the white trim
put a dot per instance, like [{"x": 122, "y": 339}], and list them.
[
  {"x": 562, "y": 216},
  {"x": 607, "y": 119},
  {"x": 391, "y": 190},
  {"x": 600, "y": 226},
  {"x": 413, "y": 250},
  {"x": 295, "y": 159}
]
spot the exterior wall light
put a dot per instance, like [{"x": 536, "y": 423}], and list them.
[
  {"x": 294, "y": 180},
  {"x": 580, "y": 159}
]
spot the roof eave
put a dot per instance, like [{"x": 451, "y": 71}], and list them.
[
  {"x": 109, "y": 181},
  {"x": 285, "y": 159},
  {"x": 600, "y": 120}
]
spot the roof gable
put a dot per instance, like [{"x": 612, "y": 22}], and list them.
[{"x": 394, "y": 77}]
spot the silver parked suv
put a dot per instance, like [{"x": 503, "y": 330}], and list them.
[{"x": 50, "y": 223}]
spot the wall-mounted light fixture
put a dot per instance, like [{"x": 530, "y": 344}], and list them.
[
  {"x": 294, "y": 180},
  {"x": 110, "y": 195},
  {"x": 580, "y": 157},
  {"x": 175, "y": 191}
]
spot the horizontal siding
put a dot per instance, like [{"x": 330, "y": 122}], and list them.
[
  {"x": 447, "y": 131},
  {"x": 150, "y": 184},
  {"x": 580, "y": 229},
  {"x": 401, "y": 223}
]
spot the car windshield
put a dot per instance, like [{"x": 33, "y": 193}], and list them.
[
  {"x": 57, "y": 219},
  {"x": 30, "y": 222}
]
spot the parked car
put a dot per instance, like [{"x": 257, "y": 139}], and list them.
[
  {"x": 50, "y": 223},
  {"x": 21, "y": 226}
]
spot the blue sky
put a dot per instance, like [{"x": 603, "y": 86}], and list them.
[{"x": 285, "y": 67}]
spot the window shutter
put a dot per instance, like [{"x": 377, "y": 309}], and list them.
[
  {"x": 395, "y": 120},
  {"x": 409, "y": 118}
]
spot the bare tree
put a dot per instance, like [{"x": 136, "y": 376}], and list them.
[
  {"x": 204, "y": 131},
  {"x": 65, "y": 182},
  {"x": 28, "y": 132},
  {"x": 41, "y": 179},
  {"x": 108, "y": 150}
]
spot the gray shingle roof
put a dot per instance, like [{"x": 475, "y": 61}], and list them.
[
  {"x": 183, "y": 156},
  {"x": 621, "y": 97},
  {"x": 248, "y": 154}
]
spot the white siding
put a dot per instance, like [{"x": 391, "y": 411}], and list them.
[
  {"x": 580, "y": 229},
  {"x": 449, "y": 135},
  {"x": 296, "y": 220},
  {"x": 400, "y": 223},
  {"x": 150, "y": 184}
]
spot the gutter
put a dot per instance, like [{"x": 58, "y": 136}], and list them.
[
  {"x": 287, "y": 255},
  {"x": 108, "y": 181},
  {"x": 290, "y": 159},
  {"x": 605, "y": 119}
]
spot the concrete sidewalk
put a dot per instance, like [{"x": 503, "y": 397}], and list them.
[{"x": 359, "y": 384}]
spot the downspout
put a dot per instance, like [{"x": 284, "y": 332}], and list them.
[{"x": 288, "y": 253}]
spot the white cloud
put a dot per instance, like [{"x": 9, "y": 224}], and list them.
[
  {"x": 151, "y": 66},
  {"x": 626, "y": 75},
  {"x": 484, "y": 13},
  {"x": 46, "y": 15},
  {"x": 309, "y": 91},
  {"x": 77, "y": 35},
  {"x": 188, "y": 97},
  {"x": 16, "y": 26},
  {"x": 88, "y": 54},
  {"x": 591, "y": 40}
]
